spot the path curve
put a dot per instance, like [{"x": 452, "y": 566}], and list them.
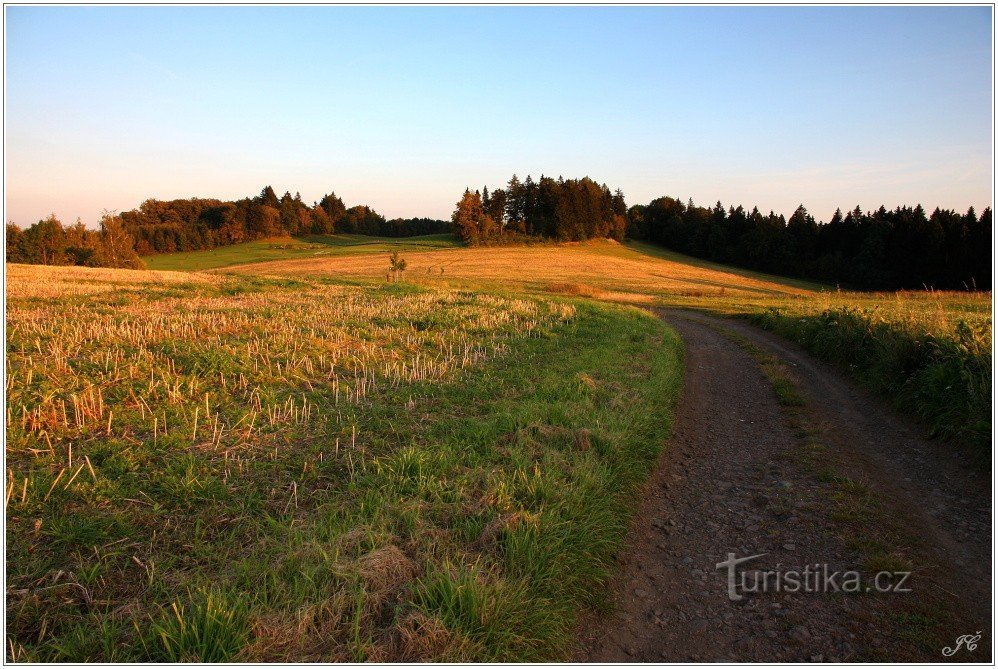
[{"x": 728, "y": 483}]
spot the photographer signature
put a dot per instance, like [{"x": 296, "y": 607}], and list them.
[{"x": 968, "y": 640}]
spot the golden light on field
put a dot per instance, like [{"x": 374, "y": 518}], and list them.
[
  {"x": 581, "y": 268},
  {"x": 53, "y": 282}
]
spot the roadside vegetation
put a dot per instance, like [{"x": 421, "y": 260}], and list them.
[
  {"x": 223, "y": 468},
  {"x": 931, "y": 363}
]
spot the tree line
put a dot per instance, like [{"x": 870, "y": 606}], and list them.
[
  {"x": 49, "y": 242},
  {"x": 187, "y": 225},
  {"x": 168, "y": 226},
  {"x": 558, "y": 209},
  {"x": 875, "y": 250}
]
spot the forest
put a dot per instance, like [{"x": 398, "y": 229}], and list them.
[
  {"x": 563, "y": 210},
  {"x": 189, "y": 225},
  {"x": 48, "y": 242},
  {"x": 168, "y": 226},
  {"x": 879, "y": 250}
]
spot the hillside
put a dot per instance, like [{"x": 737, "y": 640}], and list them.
[
  {"x": 381, "y": 471},
  {"x": 285, "y": 248},
  {"x": 587, "y": 268}
]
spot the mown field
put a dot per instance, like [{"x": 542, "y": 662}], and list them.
[
  {"x": 205, "y": 467},
  {"x": 604, "y": 269},
  {"x": 308, "y": 246}
]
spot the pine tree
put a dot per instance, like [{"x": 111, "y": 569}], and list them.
[{"x": 269, "y": 198}]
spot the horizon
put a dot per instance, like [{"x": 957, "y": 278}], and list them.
[{"x": 400, "y": 109}]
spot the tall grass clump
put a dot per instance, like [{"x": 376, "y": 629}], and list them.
[{"x": 211, "y": 628}]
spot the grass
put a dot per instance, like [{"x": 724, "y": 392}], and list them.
[
  {"x": 293, "y": 460},
  {"x": 673, "y": 256},
  {"x": 225, "y": 468},
  {"x": 934, "y": 366},
  {"x": 305, "y": 246}
]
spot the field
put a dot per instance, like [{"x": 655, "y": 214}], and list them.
[
  {"x": 595, "y": 268},
  {"x": 308, "y": 246},
  {"x": 297, "y": 460},
  {"x": 218, "y": 468},
  {"x": 929, "y": 352}
]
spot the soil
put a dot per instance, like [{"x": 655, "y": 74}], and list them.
[{"x": 732, "y": 481}]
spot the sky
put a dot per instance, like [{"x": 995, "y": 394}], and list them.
[{"x": 402, "y": 108}]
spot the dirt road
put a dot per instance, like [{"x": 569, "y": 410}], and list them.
[{"x": 732, "y": 481}]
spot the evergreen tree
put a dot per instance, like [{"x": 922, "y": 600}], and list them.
[{"x": 269, "y": 198}]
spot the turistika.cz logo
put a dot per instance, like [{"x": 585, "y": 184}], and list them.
[{"x": 812, "y": 578}]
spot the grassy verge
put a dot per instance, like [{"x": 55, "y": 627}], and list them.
[
  {"x": 290, "y": 248},
  {"x": 298, "y": 470}
]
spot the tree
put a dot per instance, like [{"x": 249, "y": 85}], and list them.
[
  {"x": 45, "y": 242},
  {"x": 15, "y": 243},
  {"x": 321, "y": 224},
  {"x": 290, "y": 220},
  {"x": 269, "y": 198},
  {"x": 263, "y": 221},
  {"x": 396, "y": 265},
  {"x": 116, "y": 248},
  {"x": 334, "y": 208},
  {"x": 362, "y": 220},
  {"x": 470, "y": 220},
  {"x": 496, "y": 208},
  {"x": 515, "y": 205}
]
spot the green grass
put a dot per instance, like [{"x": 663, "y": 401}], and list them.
[
  {"x": 305, "y": 246},
  {"x": 385, "y": 473}
]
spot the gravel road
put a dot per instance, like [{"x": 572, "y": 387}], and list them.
[{"x": 731, "y": 482}]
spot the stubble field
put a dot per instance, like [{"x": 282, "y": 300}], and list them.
[{"x": 215, "y": 468}]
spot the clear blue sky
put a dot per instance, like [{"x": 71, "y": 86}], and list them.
[{"x": 401, "y": 108}]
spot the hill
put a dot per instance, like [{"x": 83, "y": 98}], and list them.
[
  {"x": 284, "y": 248},
  {"x": 635, "y": 272}
]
